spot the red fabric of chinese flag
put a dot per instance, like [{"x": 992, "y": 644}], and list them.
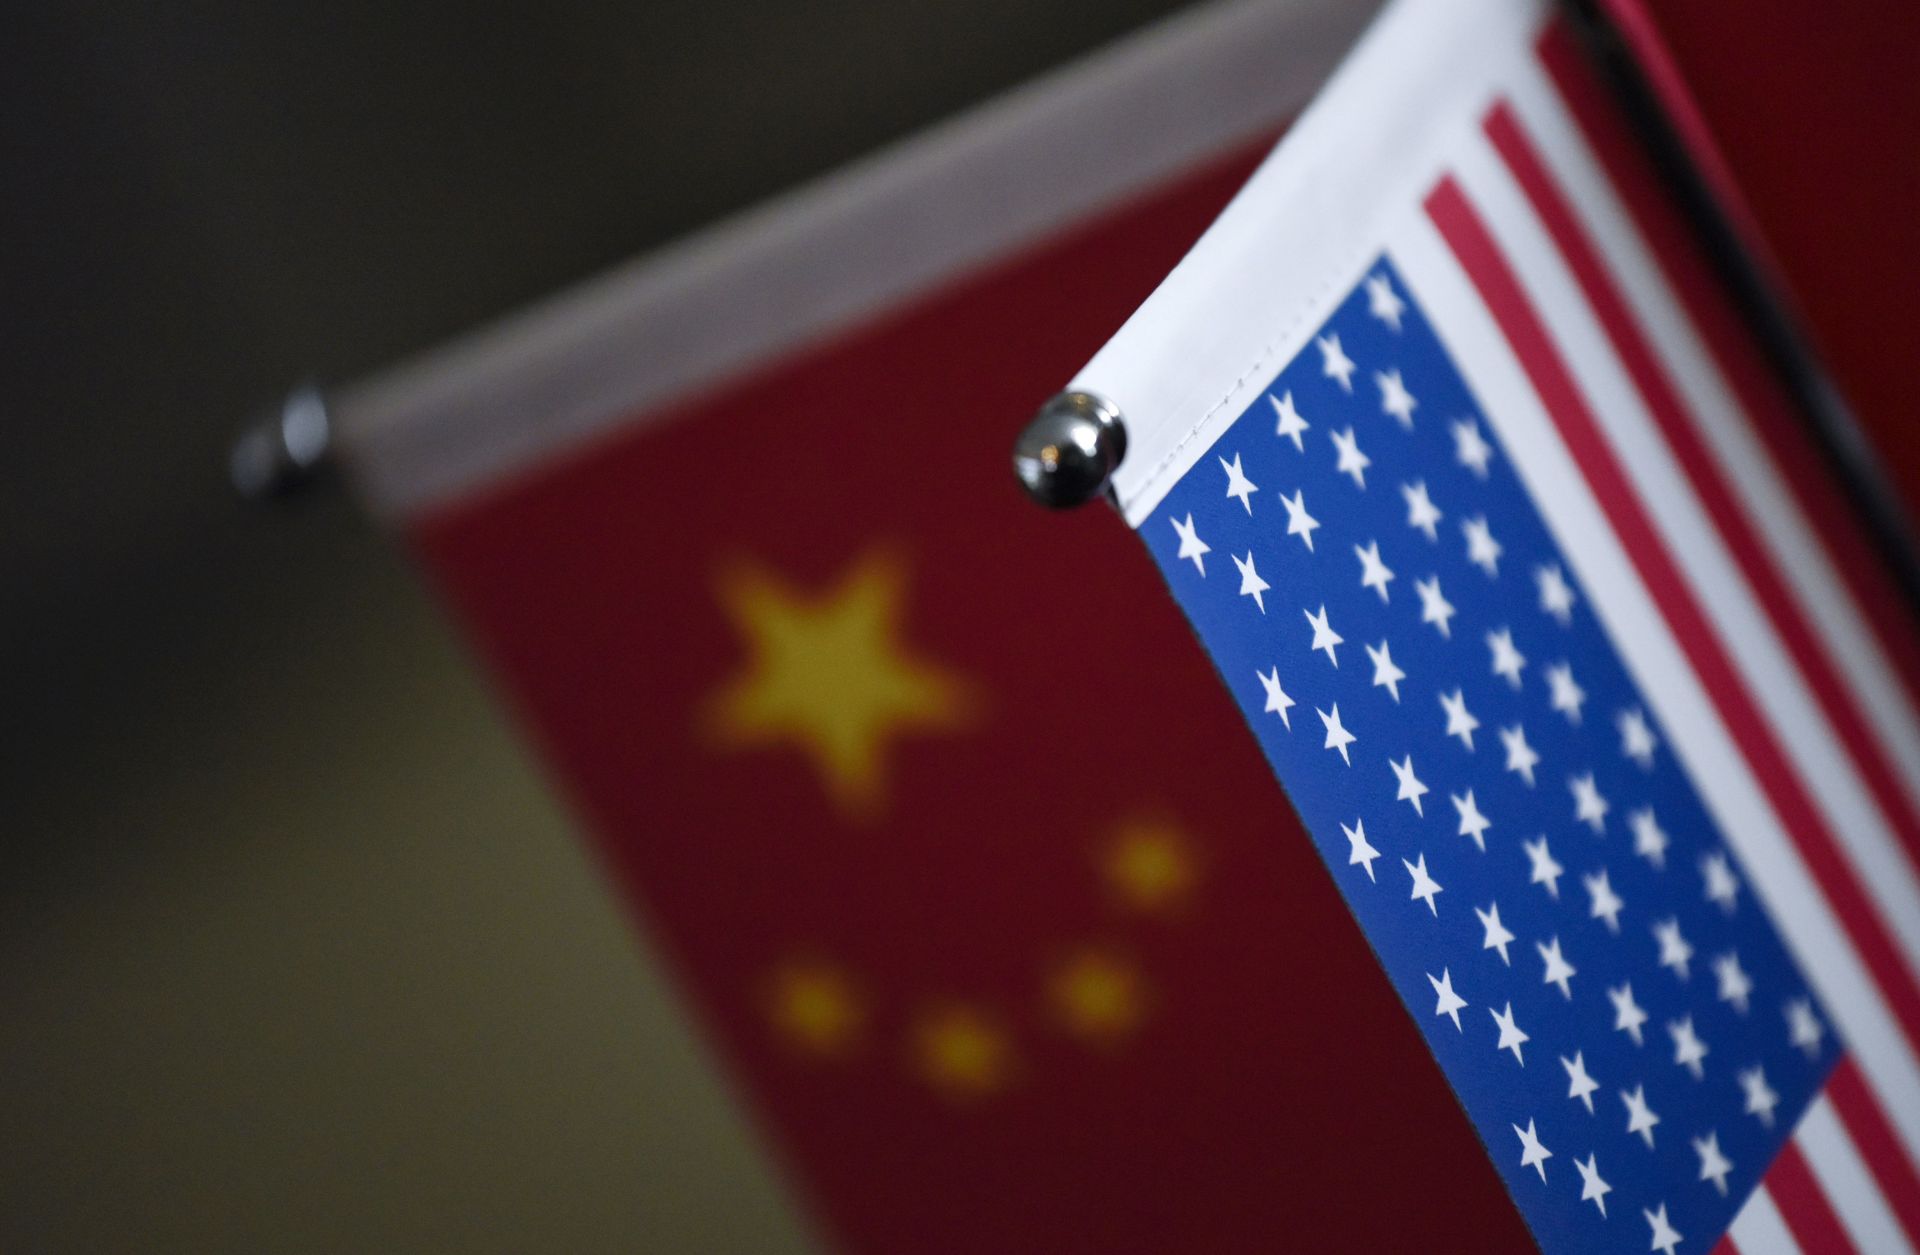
[
  {"x": 977, "y": 886},
  {"x": 1808, "y": 112}
]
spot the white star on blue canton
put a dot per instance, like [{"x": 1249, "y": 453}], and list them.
[
  {"x": 1735, "y": 984},
  {"x": 1191, "y": 546},
  {"x": 1580, "y": 1084},
  {"x": 1722, "y": 886},
  {"x": 1496, "y": 935},
  {"x": 1278, "y": 703},
  {"x": 1482, "y": 549},
  {"x": 1470, "y": 448},
  {"x": 1386, "y": 674},
  {"x": 1558, "y": 970},
  {"x": 1556, "y": 595},
  {"x": 1606, "y": 903},
  {"x": 1512, "y": 1037},
  {"x": 1676, "y": 951},
  {"x": 1434, "y": 607},
  {"x": 1472, "y": 822},
  {"x": 1760, "y": 1098},
  {"x": 1338, "y": 738},
  {"x": 1636, "y": 738},
  {"x": 1422, "y": 514},
  {"x": 1640, "y": 1117},
  {"x": 1589, "y": 807},
  {"x": 1350, "y": 460},
  {"x": 1238, "y": 485},
  {"x": 1382, "y": 302},
  {"x": 1299, "y": 522},
  {"x": 1508, "y": 662},
  {"x": 1521, "y": 757},
  {"x": 1665, "y": 1237},
  {"x": 1689, "y": 1051},
  {"x": 1394, "y": 397},
  {"x": 1593, "y": 1188},
  {"x": 1334, "y": 362},
  {"x": 1546, "y": 870},
  {"x": 1325, "y": 638},
  {"x": 1451, "y": 1003},
  {"x": 1373, "y": 572},
  {"x": 1650, "y": 841},
  {"x": 1804, "y": 1029},
  {"x": 1359, "y": 849},
  {"x": 1564, "y": 695},
  {"x": 1287, "y": 421},
  {"x": 1714, "y": 1166},
  {"x": 1251, "y": 585},
  {"x": 1460, "y": 721},
  {"x": 1627, "y": 1015},
  {"x": 1533, "y": 1154},
  {"x": 1425, "y": 887},
  {"x": 1410, "y": 788}
]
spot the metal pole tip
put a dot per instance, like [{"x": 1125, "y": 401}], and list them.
[
  {"x": 1067, "y": 455},
  {"x": 284, "y": 450}
]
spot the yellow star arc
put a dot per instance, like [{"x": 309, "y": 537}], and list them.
[
  {"x": 961, "y": 1052},
  {"x": 816, "y": 1009}
]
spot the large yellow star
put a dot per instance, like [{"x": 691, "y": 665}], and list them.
[{"x": 827, "y": 674}]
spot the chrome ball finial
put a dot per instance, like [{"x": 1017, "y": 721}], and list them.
[
  {"x": 1067, "y": 455},
  {"x": 284, "y": 450}
]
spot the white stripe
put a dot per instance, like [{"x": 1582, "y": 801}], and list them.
[
  {"x": 1826, "y": 772},
  {"x": 1759, "y": 1229},
  {"x": 838, "y": 251},
  {"x": 1767, "y": 501},
  {"x": 1844, "y": 1178},
  {"x": 1774, "y": 868}
]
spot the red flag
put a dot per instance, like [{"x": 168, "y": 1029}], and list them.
[{"x": 988, "y": 906}]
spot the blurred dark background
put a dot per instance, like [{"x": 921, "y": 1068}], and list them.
[{"x": 295, "y": 950}]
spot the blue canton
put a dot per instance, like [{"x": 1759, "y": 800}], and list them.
[{"x": 1546, "y": 890}]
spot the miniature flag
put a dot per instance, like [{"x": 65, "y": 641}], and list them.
[
  {"x": 1576, "y": 675},
  {"x": 994, "y": 960}
]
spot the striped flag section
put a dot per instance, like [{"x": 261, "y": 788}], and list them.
[
  {"x": 1722, "y": 562},
  {"x": 1786, "y": 663}
]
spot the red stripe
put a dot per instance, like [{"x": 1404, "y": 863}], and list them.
[
  {"x": 1725, "y": 1246},
  {"x": 1703, "y": 471},
  {"x": 1892, "y": 1167},
  {"x": 1794, "y": 456},
  {"x": 1803, "y": 1204},
  {"x": 1467, "y": 236}
]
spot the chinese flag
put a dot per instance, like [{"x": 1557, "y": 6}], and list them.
[{"x": 979, "y": 889}]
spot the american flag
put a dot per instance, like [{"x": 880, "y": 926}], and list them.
[{"x": 1592, "y": 702}]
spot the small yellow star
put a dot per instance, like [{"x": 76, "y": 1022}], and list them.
[
  {"x": 961, "y": 1052},
  {"x": 1150, "y": 866},
  {"x": 827, "y": 674},
  {"x": 1098, "y": 997},
  {"x": 814, "y": 1007}
]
